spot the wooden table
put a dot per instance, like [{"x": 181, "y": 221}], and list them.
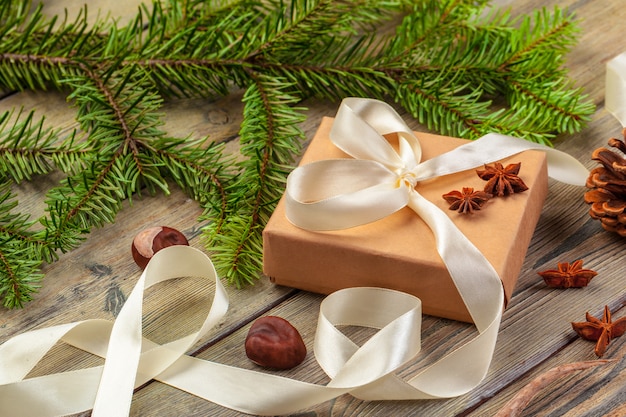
[{"x": 94, "y": 280}]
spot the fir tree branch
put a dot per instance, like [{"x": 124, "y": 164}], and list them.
[
  {"x": 202, "y": 171},
  {"x": 21, "y": 253},
  {"x": 25, "y": 147},
  {"x": 446, "y": 63},
  {"x": 270, "y": 138}
]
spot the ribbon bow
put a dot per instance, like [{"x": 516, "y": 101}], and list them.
[
  {"x": 373, "y": 188},
  {"x": 338, "y": 194}
]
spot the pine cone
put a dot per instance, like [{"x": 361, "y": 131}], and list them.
[{"x": 608, "y": 187}]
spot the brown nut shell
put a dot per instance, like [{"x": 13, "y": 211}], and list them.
[
  {"x": 272, "y": 342},
  {"x": 151, "y": 240}
]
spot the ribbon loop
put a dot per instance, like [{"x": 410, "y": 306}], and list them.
[
  {"x": 365, "y": 198},
  {"x": 359, "y": 134}
]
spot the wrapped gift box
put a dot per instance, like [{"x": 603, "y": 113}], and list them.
[{"x": 398, "y": 252}]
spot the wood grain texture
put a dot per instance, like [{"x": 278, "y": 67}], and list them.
[{"x": 93, "y": 280}]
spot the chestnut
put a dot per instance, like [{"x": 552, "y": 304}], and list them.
[
  {"x": 272, "y": 342},
  {"x": 153, "y": 239}
]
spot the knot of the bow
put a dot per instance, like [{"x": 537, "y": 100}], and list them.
[{"x": 408, "y": 179}]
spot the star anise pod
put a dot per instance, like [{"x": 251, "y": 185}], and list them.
[
  {"x": 502, "y": 181},
  {"x": 467, "y": 200},
  {"x": 600, "y": 331},
  {"x": 568, "y": 276}
]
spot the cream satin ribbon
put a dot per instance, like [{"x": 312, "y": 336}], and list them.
[
  {"x": 615, "y": 88},
  {"x": 366, "y": 372}
]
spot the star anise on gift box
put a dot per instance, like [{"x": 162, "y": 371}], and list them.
[
  {"x": 467, "y": 200},
  {"x": 600, "y": 331},
  {"x": 568, "y": 275},
  {"x": 502, "y": 181}
]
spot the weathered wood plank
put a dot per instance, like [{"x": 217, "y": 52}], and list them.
[
  {"x": 536, "y": 326},
  {"x": 93, "y": 280},
  {"x": 595, "y": 392},
  {"x": 122, "y": 12}
]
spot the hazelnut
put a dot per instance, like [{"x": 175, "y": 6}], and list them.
[
  {"x": 151, "y": 240},
  {"x": 273, "y": 342}
]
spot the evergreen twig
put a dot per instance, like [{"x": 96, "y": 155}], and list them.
[{"x": 458, "y": 68}]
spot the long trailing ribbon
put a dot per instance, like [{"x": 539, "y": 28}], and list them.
[
  {"x": 132, "y": 360},
  {"x": 350, "y": 189}
]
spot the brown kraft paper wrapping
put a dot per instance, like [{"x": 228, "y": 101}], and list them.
[{"x": 399, "y": 252}]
